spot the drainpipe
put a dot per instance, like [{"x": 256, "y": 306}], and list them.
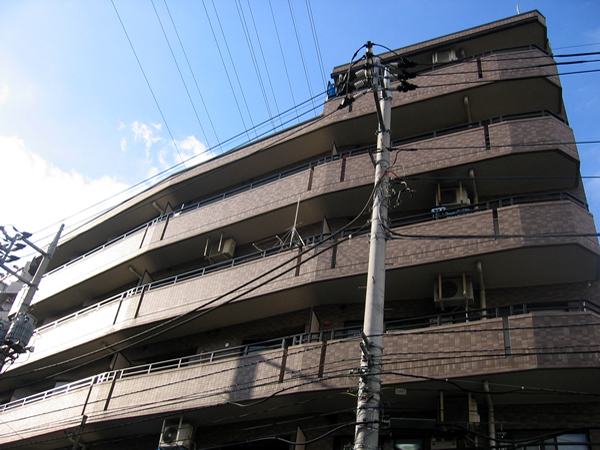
[
  {"x": 158, "y": 208},
  {"x": 475, "y": 195},
  {"x": 482, "y": 300},
  {"x": 491, "y": 415},
  {"x": 133, "y": 271},
  {"x": 442, "y": 415},
  {"x": 466, "y": 103}
]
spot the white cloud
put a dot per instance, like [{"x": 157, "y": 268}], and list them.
[
  {"x": 122, "y": 126},
  {"x": 152, "y": 172},
  {"x": 168, "y": 154},
  {"x": 162, "y": 158},
  {"x": 191, "y": 147},
  {"x": 3, "y": 94},
  {"x": 38, "y": 194},
  {"x": 144, "y": 132}
]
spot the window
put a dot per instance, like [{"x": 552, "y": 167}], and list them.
[{"x": 443, "y": 56}]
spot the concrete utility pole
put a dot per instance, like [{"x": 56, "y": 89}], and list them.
[
  {"x": 368, "y": 407},
  {"x": 15, "y": 335},
  {"x": 23, "y": 303}
]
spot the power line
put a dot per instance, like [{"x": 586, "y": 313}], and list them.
[
  {"x": 174, "y": 168},
  {"x": 444, "y": 353},
  {"x": 253, "y": 384},
  {"x": 216, "y": 303},
  {"x": 224, "y": 65},
  {"x": 498, "y": 54},
  {"x": 454, "y": 382},
  {"x": 580, "y": 45},
  {"x": 316, "y": 42},
  {"x": 403, "y": 148},
  {"x": 221, "y": 144},
  {"x": 478, "y": 236},
  {"x": 180, "y": 74},
  {"x": 88, "y": 219},
  {"x": 264, "y": 60},
  {"x": 218, "y": 391},
  {"x": 233, "y": 65},
  {"x": 487, "y": 81},
  {"x": 192, "y": 73},
  {"x": 520, "y": 388},
  {"x": 507, "y": 69},
  {"x": 246, "y": 31},
  {"x": 147, "y": 82},
  {"x": 291, "y": 90},
  {"x": 300, "y": 47},
  {"x": 282, "y": 53},
  {"x": 395, "y": 235}
]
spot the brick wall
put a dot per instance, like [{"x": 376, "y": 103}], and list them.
[
  {"x": 473, "y": 349},
  {"x": 326, "y": 179},
  {"x": 455, "y": 78},
  {"x": 351, "y": 260}
]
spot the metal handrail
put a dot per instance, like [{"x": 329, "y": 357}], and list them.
[
  {"x": 87, "y": 310},
  {"x": 488, "y": 205},
  {"x": 568, "y": 306},
  {"x": 315, "y": 239},
  {"x": 297, "y": 169}
]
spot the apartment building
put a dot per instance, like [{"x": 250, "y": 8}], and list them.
[{"x": 222, "y": 307}]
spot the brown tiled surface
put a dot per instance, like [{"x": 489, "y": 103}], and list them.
[
  {"x": 466, "y": 146},
  {"x": 458, "y": 350}
]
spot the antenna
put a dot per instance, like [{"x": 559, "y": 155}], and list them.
[{"x": 294, "y": 231}]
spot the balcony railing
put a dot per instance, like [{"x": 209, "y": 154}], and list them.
[
  {"x": 424, "y": 69},
  {"x": 294, "y": 170},
  {"x": 315, "y": 239},
  {"x": 457, "y": 317}
]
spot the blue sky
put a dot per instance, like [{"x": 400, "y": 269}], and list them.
[{"x": 79, "y": 124}]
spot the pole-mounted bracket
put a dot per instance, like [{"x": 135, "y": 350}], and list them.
[{"x": 368, "y": 341}]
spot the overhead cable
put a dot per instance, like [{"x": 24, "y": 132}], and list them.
[
  {"x": 148, "y": 82},
  {"x": 264, "y": 60},
  {"x": 180, "y": 74},
  {"x": 233, "y": 65},
  {"x": 224, "y": 65}
]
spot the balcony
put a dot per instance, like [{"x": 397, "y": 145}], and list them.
[
  {"x": 331, "y": 187},
  {"x": 519, "y": 247},
  {"x": 492, "y": 343},
  {"x": 512, "y": 81},
  {"x": 487, "y": 98}
]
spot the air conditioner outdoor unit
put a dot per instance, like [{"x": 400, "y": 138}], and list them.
[
  {"x": 220, "y": 251},
  {"x": 453, "y": 291},
  {"x": 176, "y": 435},
  {"x": 450, "y": 197}
]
